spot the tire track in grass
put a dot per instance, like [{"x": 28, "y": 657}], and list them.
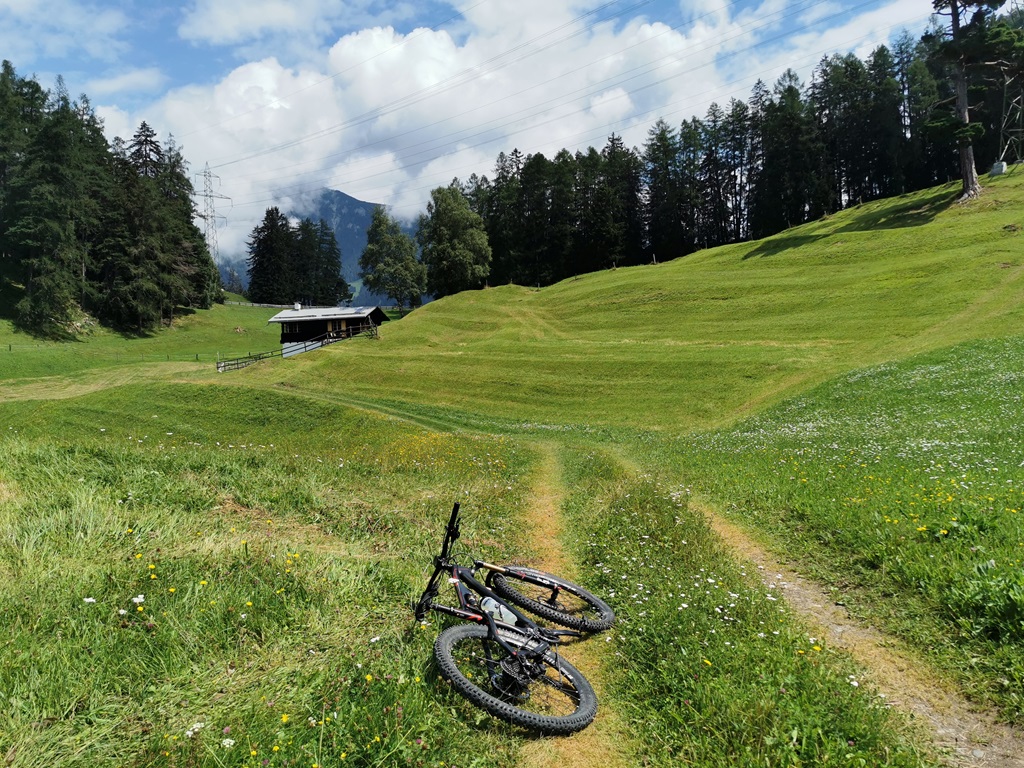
[
  {"x": 964, "y": 736},
  {"x": 602, "y": 743}
]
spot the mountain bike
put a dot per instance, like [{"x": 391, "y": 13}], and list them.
[{"x": 503, "y": 661}]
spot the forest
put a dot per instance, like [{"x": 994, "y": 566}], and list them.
[
  {"x": 792, "y": 153},
  {"x": 300, "y": 263},
  {"x": 106, "y": 231},
  {"x": 91, "y": 229}
]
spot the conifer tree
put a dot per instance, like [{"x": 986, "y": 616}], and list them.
[
  {"x": 268, "y": 264},
  {"x": 955, "y": 50},
  {"x": 331, "y": 288}
]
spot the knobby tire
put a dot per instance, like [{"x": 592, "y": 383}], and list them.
[
  {"x": 572, "y": 606},
  {"x": 557, "y": 703}
]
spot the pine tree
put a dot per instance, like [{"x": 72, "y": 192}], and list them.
[
  {"x": 331, "y": 288},
  {"x": 886, "y": 134},
  {"x": 144, "y": 151},
  {"x": 561, "y": 225},
  {"x": 623, "y": 171},
  {"x": 22, "y": 106},
  {"x": 46, "y": 194},
  {"x": 714, "y": 180},
  {"x": 789, "y": 188},
  {"x": 302, "y": 258},
  {"x": 503, "y": 219},
  {"x": 738, "y": 161},
  {"x": 955, "y": 50},
  {"x": 268, "y": 264},
  {"x": 532, "y": 267}
]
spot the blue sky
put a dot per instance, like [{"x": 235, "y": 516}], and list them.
[{"x": 386, "y": 100}]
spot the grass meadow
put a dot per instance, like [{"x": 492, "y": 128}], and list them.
[
  {"x": 910, "y": 474},
  {"x": 707, "y": 661},
  {"x": 204, "y": 569},
  {"x": 214, "y": 577}
]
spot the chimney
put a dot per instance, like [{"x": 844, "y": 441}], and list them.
[{"x": 297, "y": 306}]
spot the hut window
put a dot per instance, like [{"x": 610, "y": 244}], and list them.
[{"x": 290, "y": 327}]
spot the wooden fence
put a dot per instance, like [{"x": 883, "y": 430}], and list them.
[{"x": 295, "y": 348}]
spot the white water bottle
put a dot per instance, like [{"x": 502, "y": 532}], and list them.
[{"x": 498, "y": 611}]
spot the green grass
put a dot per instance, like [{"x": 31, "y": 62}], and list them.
[
  {"x": 208, "y": 554},
  {"x": 911, "y": 474},
  {"x": 242, "y": 560},
  {"x": 704, "y": 340},
  {"x": 203, "y": 337},
  {"x": 737, "y": 372},
  {"x": 706, "y": 660}
]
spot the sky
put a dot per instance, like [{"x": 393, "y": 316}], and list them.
[{"x": 388, "y": 99}]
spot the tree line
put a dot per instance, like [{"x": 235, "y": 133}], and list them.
[
  {"x": 791, "y": 153},
  {"x": 295, "y": 263},
  {"x": 90, "y": 226}
]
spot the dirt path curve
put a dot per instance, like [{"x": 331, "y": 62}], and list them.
[
  {"x": 600, "y": 745},
  {"x": 964, "y": 736}
]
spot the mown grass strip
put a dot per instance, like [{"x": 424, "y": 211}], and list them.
[{"x": 229, "y": 582}]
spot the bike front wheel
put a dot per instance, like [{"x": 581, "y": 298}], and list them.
[
  {"x": 538, "y": 691},
  {"x": 553, "y": 598}
]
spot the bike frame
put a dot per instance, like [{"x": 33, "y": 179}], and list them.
[{"x": 463, "y": 580}]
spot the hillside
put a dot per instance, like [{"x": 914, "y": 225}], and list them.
[
  {"x": 842, "y": 394},
  {"x": 708, "y": 338}
]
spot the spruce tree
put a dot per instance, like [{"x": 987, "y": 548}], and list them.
[
  {"x": 268, "y": 264},
  {"x": 331, "y": 288},
  {"x": 662, "y": 183},
  {"x": 46, "y": 194},
  {"x": 955, "y": 50}
]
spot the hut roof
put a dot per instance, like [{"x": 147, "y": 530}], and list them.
[{"x": 329, "y": 313}]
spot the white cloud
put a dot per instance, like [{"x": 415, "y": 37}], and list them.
[
  {"x": 146, "y": 80},
  {"x": 228, "y": 22},
  {"x": 67, "y": 29},
  {"x": 233, "y": 21},
  {"x": 386, "y": 117}
]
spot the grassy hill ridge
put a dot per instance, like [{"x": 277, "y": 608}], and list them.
[{"x": 705, "y": 339}]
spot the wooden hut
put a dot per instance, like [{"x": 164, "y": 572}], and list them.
[{"x": 306, "y": 328}]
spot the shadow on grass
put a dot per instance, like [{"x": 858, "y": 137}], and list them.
[
  {"x": 899, "y": 214},
  {"x": 913, "y": 210},
  {"x": 779, "y": 243}
]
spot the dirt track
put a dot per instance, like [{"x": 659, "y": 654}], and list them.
[
  {"x": 600, "y": 745},
  {"x": 961, "y": 734}
]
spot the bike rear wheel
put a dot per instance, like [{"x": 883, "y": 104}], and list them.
[
  {"x": 553, "y": 598},
  {"x": 541, "y": 692}
]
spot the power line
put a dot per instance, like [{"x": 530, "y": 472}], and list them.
[
  {"x": 595, "y": 88},
  {"x": 335, "y": 75},
  {"x": 603, "y": 131},
  {"x": 460, "y": 78},
  {"x": 297, "y": 189}
]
